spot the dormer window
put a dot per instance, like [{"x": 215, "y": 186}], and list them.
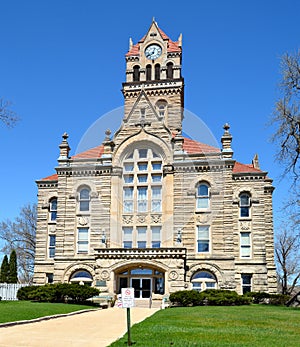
[{"x": 136, "y": 73}]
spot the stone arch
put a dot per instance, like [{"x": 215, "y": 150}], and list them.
[
  {"x": 75, "y": 267},
  {"x": 214, "y": 269}
]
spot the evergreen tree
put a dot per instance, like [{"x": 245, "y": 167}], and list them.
[
  {"x": 13, "y": 271},
  {"x": 4, "y": 270}
]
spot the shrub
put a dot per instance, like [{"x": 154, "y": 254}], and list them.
[
  {"x": 266, "y": 298},
  {"x": 211, "y": 297},
  {"x": 58, "y": 292}
]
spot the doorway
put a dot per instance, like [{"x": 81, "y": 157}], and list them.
[{"x": 142, "y": 287}]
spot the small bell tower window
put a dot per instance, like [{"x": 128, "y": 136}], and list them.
[
  {"x": 148, "y": 72},
  {"x": 136, "y": 73},
  {"x": 157, "y": 72},
  {"x": 169, "y": 70}
]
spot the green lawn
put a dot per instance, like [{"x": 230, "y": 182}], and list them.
[
  {"x": 255, "y": 326},
  {"x": 11, "y": 311}
]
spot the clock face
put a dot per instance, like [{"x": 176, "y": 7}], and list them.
[{"x": 152, "y": 52}]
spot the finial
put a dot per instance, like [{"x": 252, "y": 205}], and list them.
[
  {"x": 107, "y": 133},
  {"x": 130, "y": 43},
  {"x": 226, "y": 127},
  {"x": 64, "y": 147},
  {"x": 153, "y": 19},
  {"x": 180, "y": 40},
  {"x": 255, "y": 162}
]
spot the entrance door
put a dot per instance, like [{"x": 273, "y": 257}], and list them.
[{"x": 142, "y": 287}]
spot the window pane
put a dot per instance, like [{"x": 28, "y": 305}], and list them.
[
  {"x": 156, "y": 166},
  {"x": 245, "y": 239},
  {"x": 203, "y": 246},
  {"x": 244, "y": 211},
  {"x": 210, "y": 285},
  {"x": 143, "y": 153},
  {"x": 156, "y": 178},
  {"x": 202, "y": 203},
  {"x": 142, "y": 178},
  {"x": 83, "y": 247},
  {"x": 128, "y": 206},
  {"x": 128, "y": 167},
  {"x": 244, "y": 200},
  {"x": 155, "y": 231},
  {"x": 142, "y": 166},
  {"x": 51, "y": 252},
  {"x": 127, "y": 234},
  {"x": 155, "y": 244},
  {"x": 52, "y": 239},
  {"x": 203, "y": 232},
  {"x": 127, "y": 244},
  {"x": 82, "y": 234},
  {"x": 53, "y": 215},
  {"x": 202, "y": 190},
  {"x": 245, "y": 251},
  {"x": 84, "y": 194},
  {"x": 53, "y": 205},
  {"x": 128, "y": 193},
  {"x": 128, "y": 178},
  {"x": 141, "y": 233},
  {"x": 84, "y": 205},
  {"x": 141, "y": 244},
  {"x": 246, "y": 279}
]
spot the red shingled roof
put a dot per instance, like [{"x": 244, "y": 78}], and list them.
[
  {"x": 172, "y": 46},
  {"x": 95, "y": 152},
  {"x": 244, "y": 168},
  {"x": 53, "y": 177},
  {"x": 193, "y": 147}
]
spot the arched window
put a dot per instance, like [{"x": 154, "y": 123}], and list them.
[
  {"x": 170, "y": 70},
  {"x": 53, "y": 209},
  {"x": 84, "y": 199},
  {"x": 203, "y": 280},
  {"x": 136, "y": 73},
  {"x": 202, "y": 196},
  {"x": 148, "y": 72},
  {"x": 82, "y": 277},
  {"x": 245, "y": 203},
  {"x": 157, "y": 72}
]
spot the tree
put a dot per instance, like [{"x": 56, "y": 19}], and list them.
[
  {"x": 7, "y": 116},
  {"x": 287, "y": 253},
  {"x": 4, "y": 270},
  {"x": 19, "y": 235},
  {"x": 287, "y": 115},
  {"x": 13, "y": 270}
]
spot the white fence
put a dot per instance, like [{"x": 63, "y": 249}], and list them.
[{"x": 9, "y": 291}]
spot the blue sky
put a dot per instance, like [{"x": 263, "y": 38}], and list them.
[{"x": 62, "y": 65}]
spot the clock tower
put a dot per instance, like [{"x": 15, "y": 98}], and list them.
[{"x": 154, "y": 83}]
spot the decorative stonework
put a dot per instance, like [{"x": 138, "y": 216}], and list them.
[
  {"x": 105, "y": 275},
  {"x": 156, "y": 218},
  {"x": 82, "y": 221},
  {"x": 245, "y": 225},
  {"x": 173, "y": 275},
  {"x": 141, "y": 218},
  {"x": 127, "y": 220},
  {"x": 202, "y": 218}
]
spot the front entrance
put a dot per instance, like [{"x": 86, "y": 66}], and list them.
[
  {"x": 142, "y": 287},
  {"x": 145, "y": 281}
]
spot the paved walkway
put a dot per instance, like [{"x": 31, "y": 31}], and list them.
[{"x": 97, "y": 328}]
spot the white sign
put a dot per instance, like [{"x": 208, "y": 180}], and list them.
[{"x": 128, "y": 297}]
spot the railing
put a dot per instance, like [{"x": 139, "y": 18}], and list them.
[{"x": 140, "y": 253}]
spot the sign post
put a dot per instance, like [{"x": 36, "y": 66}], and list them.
[{"x": 128, "y": 302}]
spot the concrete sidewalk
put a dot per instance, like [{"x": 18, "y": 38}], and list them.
[{"x": 92, "y": 329}]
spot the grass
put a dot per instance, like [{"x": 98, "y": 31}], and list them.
[
  {"x": 236, "y": 326},
  {"x": 12, "y": 311}
]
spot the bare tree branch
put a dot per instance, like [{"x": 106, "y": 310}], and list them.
[
  {"x": 20, "y": 236},
  {"x": 7, "y": 116}
]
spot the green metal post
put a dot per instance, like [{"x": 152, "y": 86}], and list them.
[{"x": 128, "y": 326}]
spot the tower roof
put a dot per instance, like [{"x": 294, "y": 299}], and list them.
[{"x": 173, "y": 46}]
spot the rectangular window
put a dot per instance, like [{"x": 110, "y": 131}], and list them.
[
  {"x": 246, "y": 283},
  {"x": 49, "y": 277},
  {"x": 203, "y": 238},
  {"x": 83, "y": 240},
  {"x": 141, "y": 237},
  {"x": 142, "y": 199},
  {"x": 128, "y": 200},
  {"x": 52, "y": 241},
  {"x": 143, "y": 153},
  {"x": 156, "y": 199},
  {"x": 156, "y": 237},
  {"x": 245, "y": 240},
  {"x": 127, "y": 237}
]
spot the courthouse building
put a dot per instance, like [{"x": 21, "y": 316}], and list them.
[{"x": 150, "y": 208}]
